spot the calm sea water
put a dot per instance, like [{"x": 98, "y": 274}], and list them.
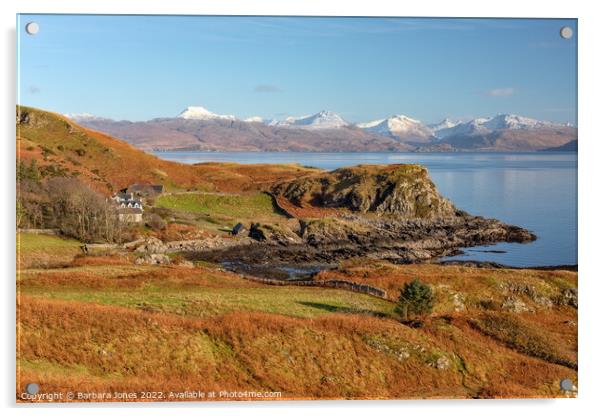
[{"x": 537, "y": 191}]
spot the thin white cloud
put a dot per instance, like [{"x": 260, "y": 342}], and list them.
[
  {"x": 266, "y": 88},
  {"x": 501, "y": 92}
]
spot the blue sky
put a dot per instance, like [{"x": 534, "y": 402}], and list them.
[{"x": 141, "y": 67}]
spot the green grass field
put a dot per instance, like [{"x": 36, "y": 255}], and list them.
[
  {"x": 221, "y": 210},
  {"x": 32, "y": 244},
  {"x": 199, "y": 293},
  {"x": 243, "y": 206},
  {"x": 45, "y": 250}
]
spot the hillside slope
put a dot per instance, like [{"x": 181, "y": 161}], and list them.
[
  {"x": 61, "y": 147},
  {"x": 513, "y": 140},
  {"x": 571, "y": 146}
]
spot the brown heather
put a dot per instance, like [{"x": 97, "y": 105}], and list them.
[{"x": 105, "y": 348}]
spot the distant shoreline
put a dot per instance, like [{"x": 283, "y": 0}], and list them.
[
  {"x": 363, "y": 152},
  {"x": 494, "y": 265}
]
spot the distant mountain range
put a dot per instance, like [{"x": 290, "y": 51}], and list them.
[{"x": 197, "y": 128}]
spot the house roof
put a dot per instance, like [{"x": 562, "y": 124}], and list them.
[
  {"x": 140, "y": 187},
  {"x": 131, "y": 201}
]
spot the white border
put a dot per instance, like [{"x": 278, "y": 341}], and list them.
[{"x": 590, "y": 155}]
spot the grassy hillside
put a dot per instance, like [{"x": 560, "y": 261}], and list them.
[
  {"x": 526, "y": 310},
  {"x": 105, "y": 324},
  {"x": 63, "y": 148},
  {"x": 208, "y": 293},
  {"x": 45, "y": 250},
  {"x": 220, "y": 209}
]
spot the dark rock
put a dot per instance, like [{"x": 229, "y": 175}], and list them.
[
  {"x": 256, "y": 232},
  {"x": 238, "y": 229}
]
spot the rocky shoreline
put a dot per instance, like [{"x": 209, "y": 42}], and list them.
[{"x": 333, "y": 240}]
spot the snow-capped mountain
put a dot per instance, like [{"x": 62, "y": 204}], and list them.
[
  {"x": 256, "y": 119},
  {"x": 512, "y": 121},
  {"x": 201, "y": 113},
  {"x": 326, "y": 131},
  {"x": 321, "y": 120},
  {"x": 492, "y": 124},
  {"x": 399, "y": 126},
  {"x": 465, "y": 128},
  {"x": 446, "y": 123}
]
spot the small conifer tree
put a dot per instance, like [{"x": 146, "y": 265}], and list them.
[{"x": 416, "y": 300}]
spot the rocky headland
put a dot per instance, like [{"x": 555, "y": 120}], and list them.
[{"x": 391, "y": 212}]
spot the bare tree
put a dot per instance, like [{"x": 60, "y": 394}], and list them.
[{"x": 70, "y": 205}]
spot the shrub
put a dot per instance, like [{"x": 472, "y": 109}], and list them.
[
  {"x": 25, "y": 172},
  {"x": 416, "y": 300},
  {"x": 46, "y": 151}
]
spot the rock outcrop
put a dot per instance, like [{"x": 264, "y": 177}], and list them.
[
  {"x": 569, "y": 297},
  {"x": 153, "y": 245},
  {"x": 398, "y": 191},
  {"x": 153, "y": 258},
  {"x": 274, "y": 233}
]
